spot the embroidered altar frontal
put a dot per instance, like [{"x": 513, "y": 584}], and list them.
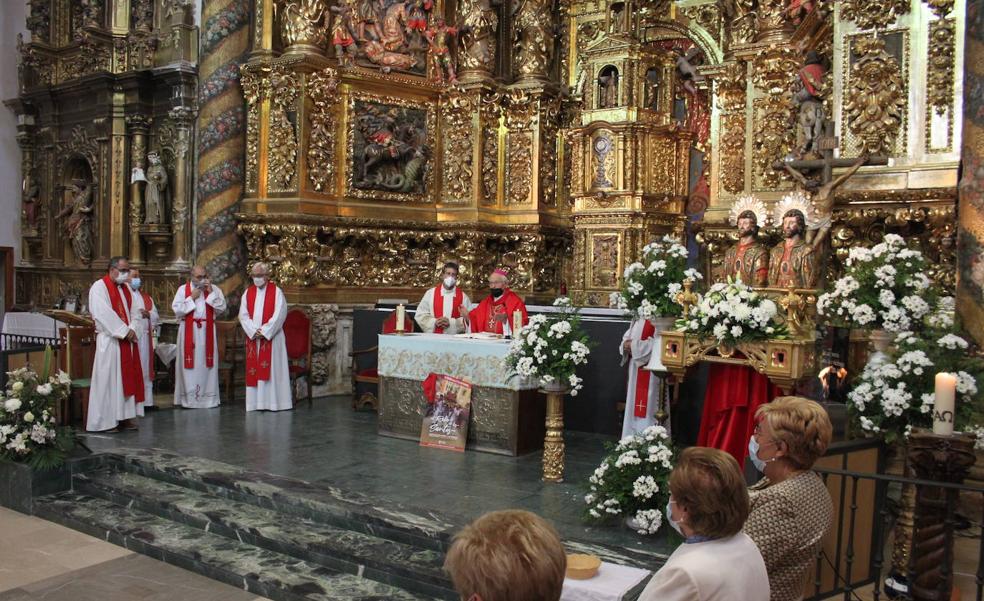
[{"x": 507, "y": 414}]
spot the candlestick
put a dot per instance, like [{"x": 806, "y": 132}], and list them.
[
  {"x": 517, "y": 323},
  {"x": 401, "y": 318},
  {"x": 944, "y": 404}
]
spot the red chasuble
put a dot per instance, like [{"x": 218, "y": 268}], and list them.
[
  {"x": 133, "y": 384},
  {"x": 189, "y": 338},
  {"x": 482, "y": 317},
  {"x": 149, "y": 304},
  {"x": 438, "y": 304},
  {"x": 641, "y": 401},
  {"x": 258, "y": 359},
  {"x": 734, "y": 393}
]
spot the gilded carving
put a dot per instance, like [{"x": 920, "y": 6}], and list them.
[
  {"x": 707, "y": 16},
  {"x": 490, "y": 162},
  {"x": 457, "y": 135},
  {"x": 389, "y": 147},
  {"x": 253, "y": 83},
  {"x": 39, "y": 20},
  {"x": 603, "y": 161},
  {"x": 303, "y": 22},
  {"x": 604, "y": 260},
  {"x": 533, "y": 38},
  {"x": 282, "y": 165},
  {"x": 941, "y": 66},
  {"x": 321, "y": 90},
  {"x": 548, "y": 164},
  {"x": 774, "y": 74},
  {"x": 873, "y": 15},
  {"x": 92, "y": 56},
  {"x": 876, "y": 97},
  {"x": 519, "y": 167}
]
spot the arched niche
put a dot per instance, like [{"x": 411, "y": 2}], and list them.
[{"x": 608, "y": 88}]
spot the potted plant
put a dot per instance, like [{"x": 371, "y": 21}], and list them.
[
  {"x": 550, "y": 347},
  {"x": 731, "y": 313},
  {"x": 28, "y": 430}
]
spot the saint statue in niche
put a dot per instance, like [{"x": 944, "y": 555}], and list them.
[
  {"x": 155, "y": 201},
  {"x": 608, "y": 88},
  {"x": 78, "y": 226}
]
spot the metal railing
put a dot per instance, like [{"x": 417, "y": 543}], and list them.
[{"x": 847, "y": 570}]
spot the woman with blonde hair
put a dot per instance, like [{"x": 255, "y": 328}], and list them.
[
  {"x": 791, "y": 510},
  {"x": 708, "y": 507}
]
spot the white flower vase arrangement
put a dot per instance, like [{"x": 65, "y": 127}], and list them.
[
  {"x": 732, "y": 313},
  {"x": 884, "y": 289},
  {"x": 632, "y": 482},
  {"x": 650, "y": 287},
  {"x": 28, "y": 430},
  {"x": 550, "y": 348}
]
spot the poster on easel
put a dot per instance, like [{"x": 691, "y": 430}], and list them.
[{"x": 445, "y": 423}]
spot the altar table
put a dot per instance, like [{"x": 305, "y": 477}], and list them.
[{"x": 507, "y": 414}]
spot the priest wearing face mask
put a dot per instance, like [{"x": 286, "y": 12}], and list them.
[
  {"x": 117, "y": 383},
  {"x": 495, "y": 313},
  {"x": 144, "y": 306},
  {"x": 444, "y": 308},
  {"x": 196, "y": 373},
  {"x": 791, "y": 510},
  {"x": 262, "y": 313}
]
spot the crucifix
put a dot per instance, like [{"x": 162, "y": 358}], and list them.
[{"x": 822, "y": 188}]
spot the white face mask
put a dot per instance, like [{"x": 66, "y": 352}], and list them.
[
  {"x": 669, "y": 518},
  {"x": 753, "y": 450},
  {"x": 259, "y": 281},
  {"x": 450, "y": 281},
  {"x": 121, "y": 277}
]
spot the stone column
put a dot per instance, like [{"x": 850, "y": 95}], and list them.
[
  {"x": 184, "y": 122},
  {"x": 138, "y": 125}
]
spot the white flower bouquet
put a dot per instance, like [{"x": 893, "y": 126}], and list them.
[
  {"x": 550, "y": 347},
  {"x": 649, "y": 287},
  {"x": 883, "y": 288},
  {"x": 28, "y": 432},
  {"x": 633, "y": 480},
  {"x": 731, "y": 312},
  {"x": 891, "y": 398}
]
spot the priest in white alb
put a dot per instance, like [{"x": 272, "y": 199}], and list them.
[
  {"x": 262, "y": 313},
  {"x": 444, "y": 308},
  {"x": 117, "y": 379},
  {"x": 145, "y": 309},
  {"x": 196, "y": 367},
  {"x": 642, "y": 392}
]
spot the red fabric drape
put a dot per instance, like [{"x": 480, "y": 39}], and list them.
[
  {"x": 482, "y": 316},
  {"x": 643, "y": 376},
  {"x": 133, "y": 384},
  {"x": 733, "y": 394},
  {"x": 258, "y": 359},
  {"x": 438, "y": 303},
  {"x": 189, "y": 336},
  {"x": 149, "y": 305}
]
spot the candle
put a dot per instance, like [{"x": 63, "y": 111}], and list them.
[
  {"x": 401, "y": 318},
  {"x": 517, "y": 323},
  {"x": 943, "y": 407}
]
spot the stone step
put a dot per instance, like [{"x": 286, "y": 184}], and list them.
[
  {"x": 260, "y": 571},
  {"x": 390, "y": 562}
]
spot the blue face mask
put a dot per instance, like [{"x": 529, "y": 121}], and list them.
[
  {"x": 753, "y": 450},
  {"x": 135, "y": 283},
  {"x": 669, "y": 519}
]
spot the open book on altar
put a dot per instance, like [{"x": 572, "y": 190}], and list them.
[{"x": 480, "y": 336}]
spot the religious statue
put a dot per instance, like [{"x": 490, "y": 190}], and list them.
[
  {"x": 369, "y": 14},
  {"x": 822, "y": 200},
  {"x": 178, "y": 12},
  {"x": 478, "y": 27},
  {"x": 79, "y": 224},
  {"x": 417, "y": 21},
  {"x": 533, "y": 38},
  {"x": 792, "y": 262},
  {"x": 437, "y": 38},
  {"x": 342, "y": 34},
  {"x": 652, "y": 89},
  {"x": 608, "y": 90},
  {"x": 798, "y": 9},
  {"x": 810, "y": 102},
  {"x": 390, "y": 150},
  {"x": 155, "y": 196},
  {"x": 304, "y": 22},
  {"x": 686, "y": 68},
  {"x": 30, "y": 196},
  {"x": 749, "y": 259}
]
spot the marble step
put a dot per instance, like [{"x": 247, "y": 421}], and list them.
[
  {"x": 257, "y": 570},
  {"x": 309, "y": 500},
  {"x": 390, "y": 562}
]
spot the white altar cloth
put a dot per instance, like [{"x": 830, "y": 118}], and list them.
[
  {"x": 34, "y": 325},
  {"x": 611, "y": 584}
]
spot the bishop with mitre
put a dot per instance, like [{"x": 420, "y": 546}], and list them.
[
  {"x": 117, "y": 378},
  {"x": 444, "y": 308},
  {"x": 196, "y": 372},
  {"x": 495, "y": 313},
  {"x": 262, "y": 313}
]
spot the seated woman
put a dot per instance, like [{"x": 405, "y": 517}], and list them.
[
  {"x": 791, "y": 508},
  {"x": 708, "y": 506},
  {"x": 507, "y": 556}
]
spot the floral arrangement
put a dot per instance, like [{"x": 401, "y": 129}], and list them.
[
  {"x": 550, "y": 347},
  {"x": 883, "y": 288},
  {"x": 731, "y": 312},
  {"x": 27, "y": 422},
  {"x": 633, "y": 480},
  {"x": 649, "y": 288},
  {"x": 891, "y": 398}
]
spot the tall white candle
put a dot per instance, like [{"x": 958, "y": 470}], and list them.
[
  {"x": 517, "y": 323},
  {"x": 945, "y": 403},
  {"x": 401, "y": 318}
]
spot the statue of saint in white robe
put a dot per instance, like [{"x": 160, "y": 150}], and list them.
[
  {"x": 273, "y": 394},
  {"x": 146, "y": 328},
  {"x": 427, "y": 314},
  {"x": 107, "y": 405},
  {"x": 641, "y": 343},
  {"x": 197, "y": 387}
]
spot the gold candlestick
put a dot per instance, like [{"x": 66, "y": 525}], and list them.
[{"x": 553, "y": 440}]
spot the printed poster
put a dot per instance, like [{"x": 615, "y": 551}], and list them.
[{"x": 445, "y": 422}]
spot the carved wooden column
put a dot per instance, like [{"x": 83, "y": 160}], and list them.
[
  {"x": 30, "y": 190},
  {"x": 184, "y": 118},
  {"x": 138, "y": 126}
]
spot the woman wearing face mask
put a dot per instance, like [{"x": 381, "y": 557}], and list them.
[
  {"x": 708, "y": 506},
  {"x": 791, "y": 510}
]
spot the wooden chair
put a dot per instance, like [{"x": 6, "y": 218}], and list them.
[
  {"x": 79, "y": 343},
  {"x": 297, "y": 335},
  {"x": 369, "y": 374},
  {"x": 227, "y": 356}
]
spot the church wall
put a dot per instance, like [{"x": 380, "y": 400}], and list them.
[{"x": 12, "y": 20}]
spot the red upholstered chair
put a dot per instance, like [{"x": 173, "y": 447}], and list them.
[
  {"x": 369, "y": 374},
  {"x": 297, "y": 335}
]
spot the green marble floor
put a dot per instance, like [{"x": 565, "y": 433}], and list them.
[{"x": 329, "y": 443}]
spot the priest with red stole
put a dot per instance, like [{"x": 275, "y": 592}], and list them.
[
  {"x": 144, "y": 308},
  {"x": 196, "y": 372},
  {"x": 262, "y": 313},
  {"x": 443, "y": 308},
  {"x": 642, "y": 393},
  {"x": 117, "y": 383},
  {"x": 495, "y": 313}
]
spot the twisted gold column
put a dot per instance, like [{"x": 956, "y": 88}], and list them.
[{"x": 553, "y": 441}]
